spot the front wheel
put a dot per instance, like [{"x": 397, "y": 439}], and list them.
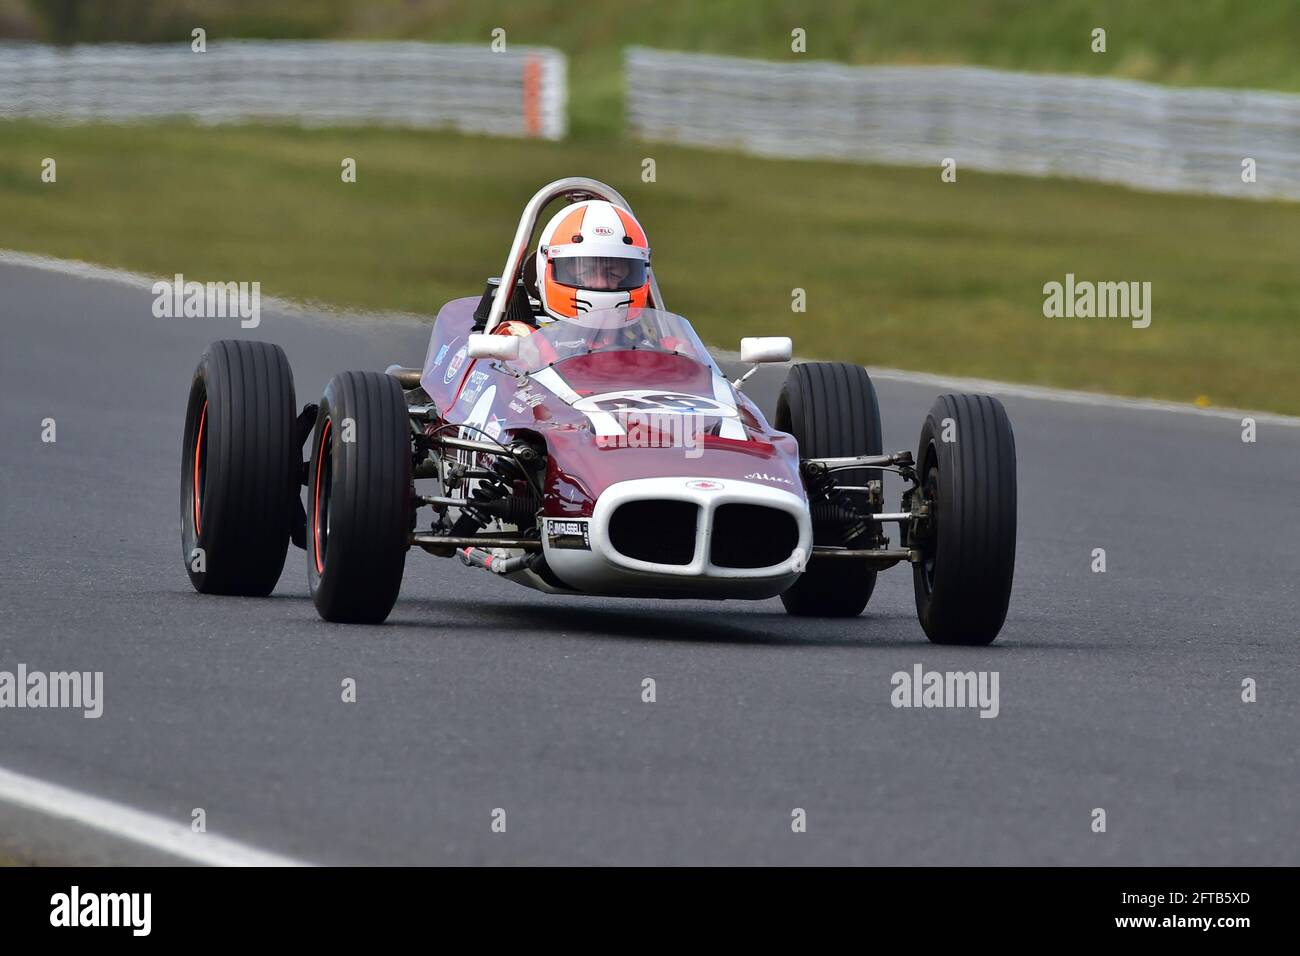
[
  {"x": 966, "y": 467},
  {"x": 239, "y": 469},
  {"x": 359, "y": 498},
  {"x": 831, "y": 410}
]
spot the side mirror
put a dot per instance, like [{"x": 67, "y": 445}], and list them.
[
  {"x": 770, "y": 348},
  {"x": 502, "y": 347}
]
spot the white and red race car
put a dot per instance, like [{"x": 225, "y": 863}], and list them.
[{"x": 605, "y": 454}]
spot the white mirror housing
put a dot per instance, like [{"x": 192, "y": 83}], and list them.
[
  {"x": 502, "y": 347},
  {"x": 768, "y": 348}
]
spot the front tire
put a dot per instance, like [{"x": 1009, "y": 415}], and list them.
[
  {"x": 239, "y": 469},
  {"x": 966, "y": 465},
  {"x": 359, "y": 498},
  {"x": 831, "y": 410}
]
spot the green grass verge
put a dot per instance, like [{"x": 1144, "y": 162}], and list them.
[{"x": 900, "y": 269}]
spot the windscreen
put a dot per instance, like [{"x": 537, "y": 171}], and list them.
[{"x": 618, "y": 329}]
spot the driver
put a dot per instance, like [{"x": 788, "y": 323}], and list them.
[{"x": 592, "y": 255}]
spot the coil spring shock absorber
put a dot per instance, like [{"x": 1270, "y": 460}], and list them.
[
  {"x": 837, "y": 523},
  {"x": 508, "y": 496},
  {"x": 506, "y": 504},
  {"x": 835, "y": 520}
]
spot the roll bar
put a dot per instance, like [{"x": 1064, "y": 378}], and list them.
[{"x": 574, "y": 189}]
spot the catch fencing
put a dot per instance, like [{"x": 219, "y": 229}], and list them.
[
  {"x": 1116, "y": 131},
  {"x": 521, "y": 91}
]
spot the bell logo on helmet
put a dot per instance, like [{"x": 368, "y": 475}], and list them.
[{"x": 602, "y": 231}]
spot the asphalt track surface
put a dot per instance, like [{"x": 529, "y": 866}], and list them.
[{"x": 1119, "y": 690}]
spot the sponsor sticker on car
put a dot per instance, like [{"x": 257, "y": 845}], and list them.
[
  {"x": 568, "y": 534},
  {"x": 704, "y": 484},
  {"x": 529, "y": 397},
  {"x": 473, "y": 387},
  {"x": 454, "y": 365}
]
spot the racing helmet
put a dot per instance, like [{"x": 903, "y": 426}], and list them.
[{"x": 592, "y": 255}]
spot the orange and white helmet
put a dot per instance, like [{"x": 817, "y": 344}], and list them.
[{"x": 592, "y": 255}]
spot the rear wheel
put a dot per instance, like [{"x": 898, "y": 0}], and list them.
[
  {"x": 831, "y": 410},
  {"x": 359, "y": 498},
  {"x": 966, "y": 465},
  {"x": 239, "y": 469}
]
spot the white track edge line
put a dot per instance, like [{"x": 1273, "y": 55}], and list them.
[
  {"x": 138, "y": 280},
  {"x": 86, "y": 270},
  {"x": 136, "y": 826},
  {"x": 1043, "y": 393}
]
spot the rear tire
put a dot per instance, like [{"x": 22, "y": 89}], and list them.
[
  {"x": 968, "y": 548},
  {"x": 239, "y": 469},
  {"x": 359, "y": 498},
  {"x": 831, "y": 410}
]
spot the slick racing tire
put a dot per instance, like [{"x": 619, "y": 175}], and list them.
[
  {"x": 831, "y": 410},
  {"x": 359, "y": 498},
  {"x": 966, "y": 466},
  {"x": 239, "y": 469}
]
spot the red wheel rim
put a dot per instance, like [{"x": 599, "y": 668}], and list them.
[
  {"x": 200, "y": 467},
  {"x": 322, "y": 463}
]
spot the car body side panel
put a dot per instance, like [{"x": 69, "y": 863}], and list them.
[
  {"x": 582, "y": 463},
  {"x": 446, "y": 364}
]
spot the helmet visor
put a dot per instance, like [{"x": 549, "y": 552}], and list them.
[{"x": 599, "y": 273}]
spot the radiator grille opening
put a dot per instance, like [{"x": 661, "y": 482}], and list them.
[
  {"x": 752, "y": 536},
  {"x": 662, "y": 532}
]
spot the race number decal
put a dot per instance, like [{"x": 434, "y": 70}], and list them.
[{"x": 651, "y": 401}]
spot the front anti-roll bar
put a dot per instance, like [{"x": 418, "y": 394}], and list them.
[{"x": 899, "y": 459}]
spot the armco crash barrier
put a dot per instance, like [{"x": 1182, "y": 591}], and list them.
[
  {"x": 1117, "y": 131},
  {"x": 518, "y": 92}
]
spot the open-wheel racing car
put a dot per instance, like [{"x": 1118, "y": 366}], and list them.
[{"x": 587, "y": 443}]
